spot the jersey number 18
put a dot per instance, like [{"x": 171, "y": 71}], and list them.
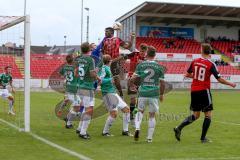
[{"x": 199, "y": 73}]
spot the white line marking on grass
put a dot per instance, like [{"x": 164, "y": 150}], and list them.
[
  {"x": 54, "y": 145},
  {"x": 223, "y": 158},
  {"x": 230, "y": 123}
]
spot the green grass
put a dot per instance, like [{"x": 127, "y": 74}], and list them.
[{"x": 226, "y": 138}]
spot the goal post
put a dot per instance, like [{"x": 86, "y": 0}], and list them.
[
  {"x": 9, "y": 25},
  {"x": 27, "y": 46}
]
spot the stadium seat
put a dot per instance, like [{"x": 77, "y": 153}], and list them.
[{"x": 189, "y": 46}]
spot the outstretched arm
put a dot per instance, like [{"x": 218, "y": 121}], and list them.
[{"x": 223, "y": 81}]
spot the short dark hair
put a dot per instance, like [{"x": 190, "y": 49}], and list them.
[
  {"x": 85, "y": 47},
  {"x": 7, "y": 67},
  {"x": 151, "y": 52},
  {"x": 143, "y": 46},
  {"x": 69, "y": 58},
  {"x": 110, "y": 29},
  {"x": 206, "y": 49}
]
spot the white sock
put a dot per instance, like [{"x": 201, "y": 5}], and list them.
[
  {"x": 138, "y": 120},
  {"x": 108, "y": 124},
  {"x": 85, "y": 124},
  {"x": 10, "y": 106},
  {"x": 126, "y": 119},
  {"x": 151, "y": 127},
  {"x": 79, "y": 126},
  {"x": 70, "y": 117}
]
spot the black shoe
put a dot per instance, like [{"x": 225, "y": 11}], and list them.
[
  {"x": 126, "y": 133},
  {"x": 206, "y": 140},
  {"x": 86, "y": 136},
  {"x": 107, "y": 135},
  {"x": 69, "y": 126},
  {"x": 136, "y": 135},
  {"x": 177, "y": 133},
  {"x": 77, "y": 132}
]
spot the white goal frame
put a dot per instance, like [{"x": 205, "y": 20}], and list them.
[{"x": 27, "y": 41}]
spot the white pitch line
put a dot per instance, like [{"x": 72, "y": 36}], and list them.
[
  {"x": 223, "y": 158},
  {"x": 231, "y": 123},
  {"x": 54, "y": 145}
]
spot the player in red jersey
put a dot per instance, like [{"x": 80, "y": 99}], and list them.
[
  {"x": 111, "y": 44},
  {"x": 200, "y": 71},
  {"x": 134, "y": 61},
  {"x": 111, "y": 47}
]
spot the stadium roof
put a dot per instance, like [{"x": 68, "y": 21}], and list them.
[{"x": 168, "y": 13}]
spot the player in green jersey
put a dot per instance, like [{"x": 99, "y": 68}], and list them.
[
  {"x": 6, "y": 80},
  {"x": 151, "y": 75},
  {"x": 85, "y": 70},
  {"x": 71, "y": 83},
  {"x": 112, "y": 100}
]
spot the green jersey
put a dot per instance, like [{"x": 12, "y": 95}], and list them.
[
  {"x": 71, "y": 80},
  {"x": 5, "y": 80},
  {"x": 85, "y": 65},
  {"x": 106, "y": 76},
  {"x": 150, "y": 73}
]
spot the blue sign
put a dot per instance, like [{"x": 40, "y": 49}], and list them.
[{"x": 166, "y": 32}]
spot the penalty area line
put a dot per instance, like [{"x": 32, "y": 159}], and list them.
[{"x": 54, "y": 145}]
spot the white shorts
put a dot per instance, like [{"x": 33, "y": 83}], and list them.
[
  {"x": 87, "y": 97},
  {"x": 73, "y": 98},
  {"x": 153, "y": 104},
  {"x": 4, "y": 93},
  {"x": 113, "y": 102}
]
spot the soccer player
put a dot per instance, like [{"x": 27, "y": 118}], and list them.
[
  {"x": 110, "y": 46},
  {"x": 150, "y": 75},
  {"x": 87, "y": 75},
  {"x": 71, "y": 82},
  {"x": 112, "y": 100},
  {"x": 134, "y": 61},
  {"x": 200, "y": 71},
  {"x": 5, "y": 80}
]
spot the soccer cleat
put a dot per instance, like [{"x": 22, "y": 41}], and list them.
[
  {"x": 206, "y": 140},
  {"x": 86, "y": 136},
  {"x": 69, "y": 126},
  {"x": 136, "y": 135},
  {"x": 149, "y": 140},
  {"x": 77, "y": 132},
  {"x": 11, "y": 113},
  {"x": 177, "y": 133},
  {"x": 126, "y": 133},
  {"x": 107, "y": 135}
]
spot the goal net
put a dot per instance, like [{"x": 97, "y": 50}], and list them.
[{"x": 15, "y": 71}]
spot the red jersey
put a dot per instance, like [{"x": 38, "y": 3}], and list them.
[
  {"x": 111, "y": 46},
  {"x": 202, "y": 69},
  {"x": 134, "y": 61}
]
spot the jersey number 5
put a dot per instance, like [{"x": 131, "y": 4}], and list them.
[
  {"x": 81, "y": 71},
  {"x": 199, "y": 73}
]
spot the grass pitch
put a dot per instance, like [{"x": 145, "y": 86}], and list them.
[{"x": 224, "y": 131}]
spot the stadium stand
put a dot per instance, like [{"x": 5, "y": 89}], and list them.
[
  {"x": 6, "y": 60},
  {"x": 45, "y": 66},
  {"x": 171, "y": 45},
  {"x": 226, "y": 47}
]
